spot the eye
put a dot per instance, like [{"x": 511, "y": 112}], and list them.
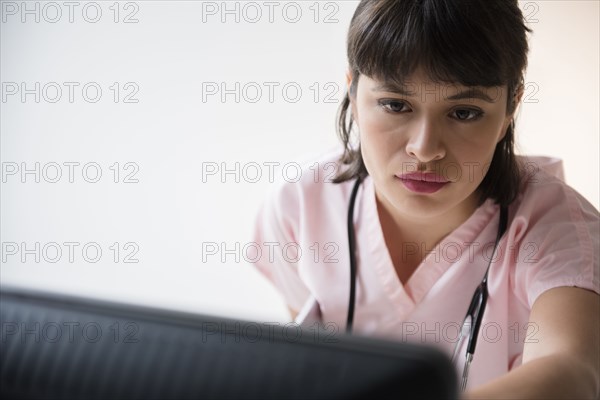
[
  {"x": 467, "y": 115},
  {"x": 393, "y": 106}
]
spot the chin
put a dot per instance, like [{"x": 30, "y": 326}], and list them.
[
  {"x": 416, "y": 205},
  {"x": 419, "y": 208},
  {"x": 454, "y": 196}
]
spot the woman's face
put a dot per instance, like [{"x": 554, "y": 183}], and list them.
[{"x": 427, "y": 146}]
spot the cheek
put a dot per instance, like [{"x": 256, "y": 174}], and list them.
[
  {"x": 378, "y": 132},
  {"x": 377, "y": 142},
  {"x": 474, "y": 157},
  {"x": 476, "y": 142},
  {"x": 377, "y": 121}
]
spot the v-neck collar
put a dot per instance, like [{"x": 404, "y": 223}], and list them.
[{"x": 434, "y": 265}]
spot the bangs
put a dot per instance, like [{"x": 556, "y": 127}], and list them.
[{"x": 451, "y": 42}]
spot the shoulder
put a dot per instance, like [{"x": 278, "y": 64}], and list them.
[
  {"x": 310, "y": 182},
  {"x": 553, "y": 232},
  {"x": 544, "y": 194},
  {"x": 305, "y": 194}
]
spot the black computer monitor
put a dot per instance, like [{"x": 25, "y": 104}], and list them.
[{"x": 54, "y": 346}]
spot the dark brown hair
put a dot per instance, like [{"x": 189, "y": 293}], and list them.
[{"x": 470, "y": 42}]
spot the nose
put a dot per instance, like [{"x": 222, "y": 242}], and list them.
[{"x": 425, "y": 142}]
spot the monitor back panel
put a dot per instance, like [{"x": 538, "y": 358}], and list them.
[{"x": 59, "y": 347}]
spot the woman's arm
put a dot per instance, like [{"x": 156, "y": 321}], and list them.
[
  {"x": 564, "y": 362},
  {"x": 293, "y": 313}
]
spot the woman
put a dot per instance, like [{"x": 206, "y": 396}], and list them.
[{"x": 433, "y": 88}]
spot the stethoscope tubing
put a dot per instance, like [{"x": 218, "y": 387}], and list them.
[
  {"x": 478, "y": 301},
  {"x": 352, "y": 246}
]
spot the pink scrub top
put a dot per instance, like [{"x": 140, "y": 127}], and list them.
[{"x": 552, "y": 240}]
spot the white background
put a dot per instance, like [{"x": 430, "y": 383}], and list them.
[{"x": 167, "y": 59}]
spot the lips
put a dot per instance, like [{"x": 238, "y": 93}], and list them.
[
  {"x": 420, "y": 182},
  {"x": 423, "y": 176}
]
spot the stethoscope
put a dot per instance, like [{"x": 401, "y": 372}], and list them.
[{"x": 474, "y": 316}]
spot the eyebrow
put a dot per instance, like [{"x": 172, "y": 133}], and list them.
[{"x": 470, "y": 93}]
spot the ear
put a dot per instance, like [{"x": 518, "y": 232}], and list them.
[
  {"x": 510, "y": 117},
  {"x": 348, "y": 79},
  {"x": 518, "y": 96},
  {"x": 352, "y": 99}
]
